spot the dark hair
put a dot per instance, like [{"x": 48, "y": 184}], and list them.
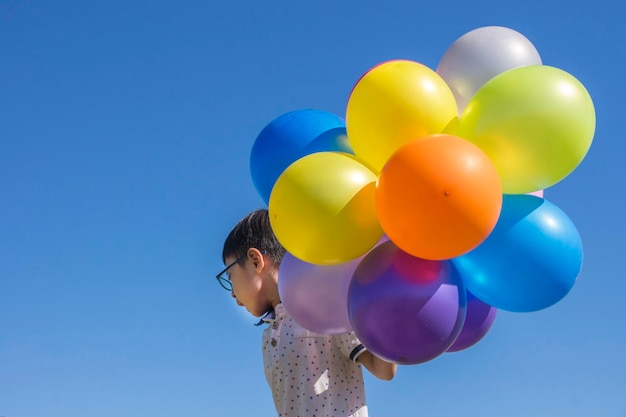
[{"x": 254, "y": 231}]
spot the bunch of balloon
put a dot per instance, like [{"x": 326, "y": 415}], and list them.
[
  {"x": 418, "y": 217},
  {"x": 463, "y": 155}
]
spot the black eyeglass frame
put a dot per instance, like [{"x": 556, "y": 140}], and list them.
[{"x": 225, "y": 281}]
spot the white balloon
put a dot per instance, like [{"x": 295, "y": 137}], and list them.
[
  {"x": 481, "y": 54},
  {"x": 316, "y": 296}
]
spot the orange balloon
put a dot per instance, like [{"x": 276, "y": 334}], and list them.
[{"x": 438, "y": 197}]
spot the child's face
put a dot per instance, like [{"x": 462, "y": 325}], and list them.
[{"x": 246, "y": 286}]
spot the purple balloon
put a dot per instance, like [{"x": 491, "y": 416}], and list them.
[
  {"x": 316, "y": 296},
  {"x": 478, "y": 320},
  {"x": 404, "y": 309}
]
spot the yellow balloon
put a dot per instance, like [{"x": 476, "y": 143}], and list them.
[
  {"x": 394, "y": 103},
  {"x": 535, "y": 123},
  {"x": 322, "y": 208}
]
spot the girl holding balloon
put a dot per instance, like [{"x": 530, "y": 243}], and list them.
[{"x": 308, "y": 373}]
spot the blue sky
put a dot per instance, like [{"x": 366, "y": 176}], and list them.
[{"x": 125, "y": 136}]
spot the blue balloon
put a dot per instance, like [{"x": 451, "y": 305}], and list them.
[
  {"x": 530, "y": 260},
  {"x": 290, "y": 137}
]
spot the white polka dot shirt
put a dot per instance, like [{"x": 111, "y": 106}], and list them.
[{"x": 312, "y": 375}]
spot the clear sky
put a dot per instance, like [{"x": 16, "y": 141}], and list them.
[{"x": 125, "y": 137}]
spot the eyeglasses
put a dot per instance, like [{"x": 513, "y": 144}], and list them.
[{"x": 223, "y": 279}]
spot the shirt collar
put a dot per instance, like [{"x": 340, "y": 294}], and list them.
[{"x": 268, "y": 317}]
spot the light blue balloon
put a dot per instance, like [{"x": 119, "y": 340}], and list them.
[
  {"x": 531, "y": 259},
  {"x": 290, "y": 137}
]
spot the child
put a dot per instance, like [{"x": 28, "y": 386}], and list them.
[{"x": 309, "y": 374}]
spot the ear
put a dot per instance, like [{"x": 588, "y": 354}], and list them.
[{"x": 257, "y": 259}]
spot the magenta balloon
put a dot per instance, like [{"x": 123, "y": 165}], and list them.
[
  {"x": 479, "y": 318},
  {"x": 316, "y": 296},
  {"x": 405, "y": 309}
]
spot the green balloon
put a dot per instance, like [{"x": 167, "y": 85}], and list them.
[{"x": 536, "y": 124}]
